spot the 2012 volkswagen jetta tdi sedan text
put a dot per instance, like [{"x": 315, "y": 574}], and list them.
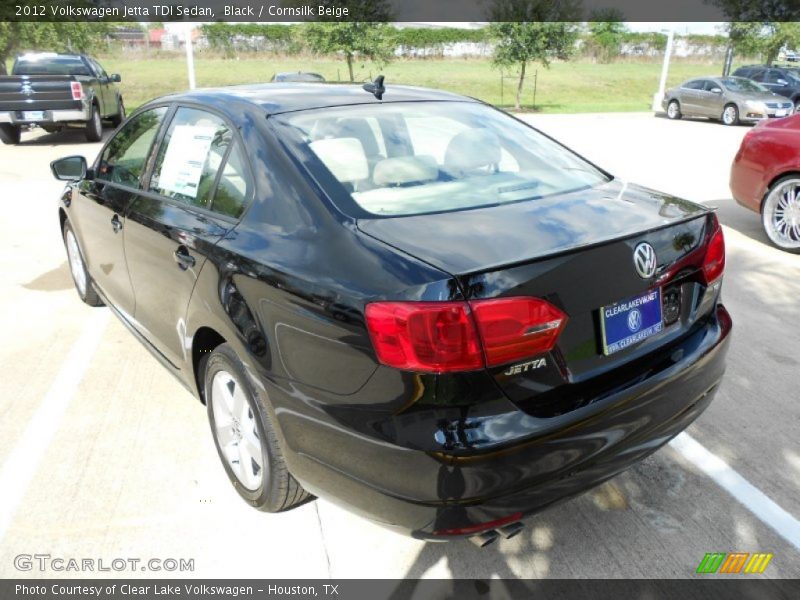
[{"x": 407, "y": 302}]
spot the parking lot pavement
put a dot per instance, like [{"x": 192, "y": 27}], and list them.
[{"x": 105, "y": 456}]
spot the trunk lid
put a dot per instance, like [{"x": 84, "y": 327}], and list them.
[{"x": 577, "y": 252}]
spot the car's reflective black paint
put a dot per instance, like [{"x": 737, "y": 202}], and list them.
[{"x": 287, "y": 284}]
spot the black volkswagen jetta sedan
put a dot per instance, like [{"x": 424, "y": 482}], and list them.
[{"x": 410, "y": 303}]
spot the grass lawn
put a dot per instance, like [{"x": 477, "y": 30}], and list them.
[{"x": 565, "y": 87}]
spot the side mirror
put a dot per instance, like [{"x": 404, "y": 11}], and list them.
[
  {"x": 69, "y": 168},
  {"x": 116, "y": 78},
  {"x": 716, "y": 90},
  {"x": 782, "y": 82}
]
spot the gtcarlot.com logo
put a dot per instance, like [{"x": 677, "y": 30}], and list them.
[
  {"x": 58, "y": 564},
  {"x": 735, "y": 562}
]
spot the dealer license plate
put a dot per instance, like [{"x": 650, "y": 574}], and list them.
[
  {"x": 33, "y": 115},
  {"x": 630, "y": 321}
]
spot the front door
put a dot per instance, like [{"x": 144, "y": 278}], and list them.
[
  {"x": 101, "y": 204},
  {"x": 171, "y": 230}
]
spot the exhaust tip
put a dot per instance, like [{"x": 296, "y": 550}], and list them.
[
  {"x": 484, "y": 539},
  {"x": 511, "y": 530}
]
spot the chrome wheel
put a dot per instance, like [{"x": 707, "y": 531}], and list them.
[
  {"x": 76, "y": 263},
  {"x": 236, "y": 430},
  {"x": 673, "y": 110},
  {"x": 730, "y": 115},
  {"x": 781, "y": 214}
]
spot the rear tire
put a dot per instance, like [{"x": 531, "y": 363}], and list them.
[
  {"x": 94, "y": 127},
  {"x": 245, "y": 436},
  {"x": 10, "y": 134},
  {"x": 118, "y": 118},
  {"x": 730, "y": 115},
  {"x": 77, "y": 268},
  {"x": 674, "y": 110}
]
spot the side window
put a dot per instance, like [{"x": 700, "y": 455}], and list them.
[
  {"x": 710, "y": 85},
  {"x": 233, "y": 189},
  {"x": 697, "y": 84},
  {"x": 98, "y": 69},
  {"x": 190, "y": 157},
  {"x": 758, "y": 75},
  {"x": 123, "y": 160}
]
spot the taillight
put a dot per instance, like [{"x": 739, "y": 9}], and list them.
[
  {"x": 440, "y": 337},
  {"x": 77, "y": 90},
  {"x": 424, "y": 336},
  {"x": 714, "y": 261},
  {"x": 515, "y": 328}
]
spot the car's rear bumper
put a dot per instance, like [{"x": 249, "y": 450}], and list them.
[
  {"x": 423, "y": 492},
  {"x": 50, "y": 117}
]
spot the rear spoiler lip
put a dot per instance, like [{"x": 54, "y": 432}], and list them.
[{"x": 579, "y": 248}]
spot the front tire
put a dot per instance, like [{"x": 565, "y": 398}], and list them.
[
  {"x": 77, "y": 268},
  {"x": 10, "y": 134},
  {"x": 730, "y": 115},
  {"x": 780, "y": 214},
  {"x": 245, "y": 436},
  {"x": 674, "y": 110},
  {"x": 94, "y": 127}
]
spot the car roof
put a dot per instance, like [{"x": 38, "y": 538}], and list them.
[
  {"x": 43, "y": 55},
  {"x": 275, "y": 98}
]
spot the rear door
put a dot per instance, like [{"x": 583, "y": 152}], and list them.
[
  {"x": 98, "y": 210},
  {"x": 198, "y": 188}
]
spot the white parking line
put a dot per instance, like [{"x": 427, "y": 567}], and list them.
[
  {"x": 20, "y": 466},
  {"x": 737, "y": 486}
]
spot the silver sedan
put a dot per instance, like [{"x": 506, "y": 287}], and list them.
[{"x": 729, "y": 99}]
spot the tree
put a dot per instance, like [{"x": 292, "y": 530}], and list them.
[
  {"x": 52, "y": 37},
  {"x": 533, "y": 31},
  {"x": 607, "y": 32},
  {"x": 355, "y": 40},
  {"x": 364, "y": 36}
]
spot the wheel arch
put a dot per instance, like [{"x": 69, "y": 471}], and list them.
[
  {"x": 204, "y": 341},
  {"x": 772, "y": 182}
]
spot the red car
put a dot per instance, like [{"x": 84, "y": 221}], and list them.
[{"x": 765, "y": 177}]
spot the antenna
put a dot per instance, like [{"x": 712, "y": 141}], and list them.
[{"x": 376, "y": 87}]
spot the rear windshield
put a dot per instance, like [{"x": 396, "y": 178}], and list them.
[
  {"x": 411, "y": 158},
  {"x": 50, "y": 65}
]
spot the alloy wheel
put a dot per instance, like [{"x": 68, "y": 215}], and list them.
[
  {"x": 781, "y": 215},
  {"x": 672, "y": 110},
  {"x": 729, "y": 115},
  {"x": 76, "y": 263},
  {"x": 236, "y": 430}
]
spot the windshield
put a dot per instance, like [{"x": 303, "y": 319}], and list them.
[
  {"x": 420, "y": 157},
  {"x": 739, "y": 84},
  {"x": 50, "y": 65}
]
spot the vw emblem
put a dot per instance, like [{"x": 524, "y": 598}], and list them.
[
  {"x": 644, "y": 259},
  {"x": 634, "y": 320}
]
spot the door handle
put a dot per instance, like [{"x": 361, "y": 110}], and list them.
[
  {"x": 116, "y": 224},
  {"x": 183, "y": 258}
]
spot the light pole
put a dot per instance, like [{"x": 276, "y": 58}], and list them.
[
  {"x": 187, "y": 33},
  {"x": 659, "y": 95}
]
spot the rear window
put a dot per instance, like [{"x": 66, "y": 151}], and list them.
[
  {"x": 50, "y": 65},
  {"x": 421, "y": 157}
]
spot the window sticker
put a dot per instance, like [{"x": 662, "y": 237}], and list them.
[{"x": 186, "y": 155}]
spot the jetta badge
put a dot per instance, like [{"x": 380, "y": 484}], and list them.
[{"x": 644, "y": 259}]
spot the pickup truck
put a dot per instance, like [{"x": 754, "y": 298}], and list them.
[{"x": 55, "y": 91}]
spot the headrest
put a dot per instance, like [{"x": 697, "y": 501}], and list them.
[
  {"x": 472, "y": 149},
  {"x": 404, "y": 169},
  {"x": 344, "y": 157}
]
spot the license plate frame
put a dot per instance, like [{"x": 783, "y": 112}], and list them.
[
  {"x": 33, "y": 115},
  {"x": 620, "y": 329}
]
